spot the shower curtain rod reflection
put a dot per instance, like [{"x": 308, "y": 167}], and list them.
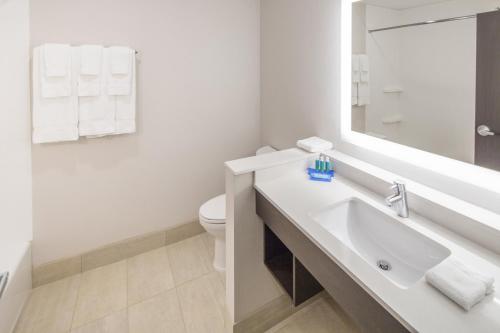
[{"x": 458, "y": 18}]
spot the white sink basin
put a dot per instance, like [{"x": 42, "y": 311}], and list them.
[{"x": 400, "y": 253}]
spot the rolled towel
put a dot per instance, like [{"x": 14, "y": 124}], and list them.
[{"x": 464, "y": 286}]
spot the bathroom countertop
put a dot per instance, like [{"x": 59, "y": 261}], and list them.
[{"x": 420, "y": 307}]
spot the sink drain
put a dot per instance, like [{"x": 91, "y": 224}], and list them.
[{"x": 384, "y": 265}]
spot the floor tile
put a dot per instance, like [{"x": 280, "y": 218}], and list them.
[
  {"x": 160, "y": 314},
  {"x": 50, "y": 307},
  {"x": 210, "y": 244},
  {"x": 114, "y": 323},
  {"x": 189, "y": 259},
  {"x": 149, "y": 274},
  {"x": 202, "y": 304},
  {"x": 103, "y": 291},
  {"x": 319, "y": 317}
]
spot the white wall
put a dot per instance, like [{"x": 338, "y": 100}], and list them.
[
  {"x": 15, "y": 148},
  {"x": 15, "y": 158},
  {"x": 198, "y": 106},
  {"x": 300, "y": 69},
  {"x": 435, "y": 65}
]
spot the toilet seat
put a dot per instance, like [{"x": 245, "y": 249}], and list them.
[{"x": 214, "y": 210}]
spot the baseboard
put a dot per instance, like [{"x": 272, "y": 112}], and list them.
[{"x": 111, "y": 253}]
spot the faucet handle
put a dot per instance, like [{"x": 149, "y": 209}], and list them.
[{"x": 398, "y": 186}]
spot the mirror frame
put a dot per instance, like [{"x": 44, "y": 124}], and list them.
[{"x": 457, "y": 178}]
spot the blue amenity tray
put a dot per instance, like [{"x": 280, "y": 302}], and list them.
[{"x": 320, "y": 176}]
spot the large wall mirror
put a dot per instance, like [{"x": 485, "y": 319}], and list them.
[{"x": 426, "y": 74}]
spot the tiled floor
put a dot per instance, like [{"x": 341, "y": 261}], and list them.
[{"x": 171, "y": 289}]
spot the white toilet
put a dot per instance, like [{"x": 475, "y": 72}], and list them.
[{"x": 213, "y": 219}]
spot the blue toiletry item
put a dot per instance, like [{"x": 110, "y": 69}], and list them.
[
  {"x": 320, "y": 176},
  {"x": 322, "y": 171}
]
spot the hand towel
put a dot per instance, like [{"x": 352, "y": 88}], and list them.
[
  {"x": 461, "y": 284},
  {"x": 97, "y": 112},
  {"x": 356, "y": 74},
  {"x": 91, "y": 64},
  {"x": 364, "y": 68},
  {"x": 54, "y": 119},
  {"x": 314, "y": 144},
  {"x": 363, "y": 94},
  {"x": 121, "y": 60},
  {"x": 91, "y": 59},
  {"x": 57, "y": 82},
  {"x": 56, "y": 59},
  {"x": 489, "y": 281},
  {"x": 119, "y": 71},
  {"x": 126, "y": 107}
]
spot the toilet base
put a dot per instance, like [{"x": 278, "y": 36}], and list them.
[
  {"x": 220, "y": 255},
  {"x": 218, "y": 231}
]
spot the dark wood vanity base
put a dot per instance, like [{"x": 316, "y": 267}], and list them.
[{"x": 313, "y": 269}]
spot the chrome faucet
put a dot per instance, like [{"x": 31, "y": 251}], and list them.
[{"x": 398, "y": 200}]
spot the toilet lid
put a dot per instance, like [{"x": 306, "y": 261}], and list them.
[{"x": 214, "y": 210}]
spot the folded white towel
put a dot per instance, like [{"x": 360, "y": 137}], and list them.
[
  {"x": 89, "y": 85},
  {"x": 96, "y": 115},
  {"x": 121, "y": 60},
  {"x": 54, "y": 119},
  {"x": 314, "y": 144},
  {"x": 489, "y": 281},
  {"x": 57, "y": 59},
  {"x": 461, "y": 284},
  {"x": 126, "y": 108},
  {"x": 91, "y": 59},
  {"x": 364, "y": 68},
  {"x": 97, "y": 112},
  {"x": 91, "y": 64},
  {"x": 363, "y": 94},
  {"x": 356, "y": 73},
  {"x": 119, "y": 80},
  {"x": 58, "y": 82}
]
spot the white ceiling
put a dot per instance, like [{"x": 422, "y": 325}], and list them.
[{"x": 401, "y": 4}]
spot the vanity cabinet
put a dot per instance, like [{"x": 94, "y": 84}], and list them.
[
  {"x": 299, "y": 264},
  {"x": 298, "y": 283}
]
